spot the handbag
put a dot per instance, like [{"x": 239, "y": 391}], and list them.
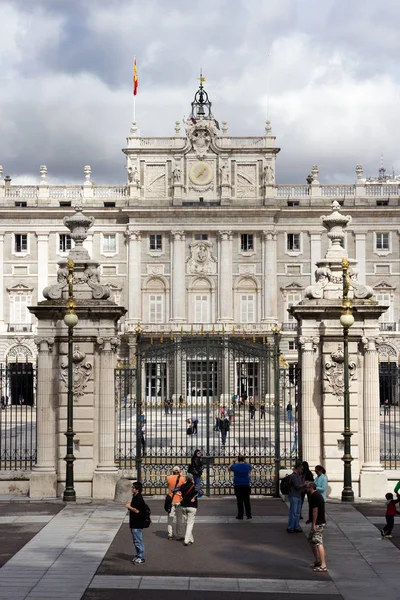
[{"x": 168, "y": 498}]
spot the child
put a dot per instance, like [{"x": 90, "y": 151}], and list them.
[{"x": 386, "y": 532}]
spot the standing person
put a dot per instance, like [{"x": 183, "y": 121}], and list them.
[
  {"x": 173, "y": 481},
  {"x": 262, "y": 410},
  {"x": 143, "y": 438},
  {"x": 194, "y": 422},
  {"x": 189, "y": 506},
  {"x": 289, "y": 410},
  {"x": 387, "y": 407},
  {"x": 3, "y": 402},
  {"x": 224, "y": 428},
  {"x": 217, "y": 415},
  {"x": 295, "y": 439},
  {"x": 196, "y": 467},
  {"x": 296, "y": 485},
  {"x": 171, "y": 404},
  {"x": 137, "y": 513},
  {"x": 252, "y": 410},
  {"x": 180, "y": 402},
  {"x": 166, "y": 406},
  {"x": 316, "y": 517},
  {"x": 308, "y": 476},
  {"x": 241, "y": 483},
  {"x": 321, "y": 481},
  {"x": 386, "y": 532}
]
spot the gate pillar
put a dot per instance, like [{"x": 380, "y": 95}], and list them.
[{"x": 311, "y": 402}]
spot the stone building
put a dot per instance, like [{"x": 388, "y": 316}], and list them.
[{"x": 200, "y": 238}]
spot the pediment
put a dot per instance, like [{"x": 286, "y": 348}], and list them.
[
  {"x": 20, "y": 288},
  {"x": 383, "y": 285},
  {"x": 292, "y": 287}
]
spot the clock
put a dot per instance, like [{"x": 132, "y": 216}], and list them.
[{"x": 201, "y": 173}]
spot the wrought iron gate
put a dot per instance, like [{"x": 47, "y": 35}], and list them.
[
  {"x": 171, "y": 402},
  {"x": 389, "y": 400}
]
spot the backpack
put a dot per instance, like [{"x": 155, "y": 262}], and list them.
[
  {"x": 147, "y": 513},
  {"x": 285, "y": 485}
]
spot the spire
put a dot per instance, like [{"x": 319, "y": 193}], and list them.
[
  {"x": 201, "y": 106},
  {"x": 382, "y": 169}
]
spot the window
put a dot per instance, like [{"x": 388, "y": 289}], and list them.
[
  {"x": 293, "y": 242},
  {"x": 382, "y": 241},
  {"x": 21, "y": 242},
  {"x": 247, "y": 308},
  {"x": 21, "y": 204},
  {"x": 64, "y": 243},
  {"x": 293, "y": 203},
  {"x": 292, "y": 345},
  {"x": 19, "y": 308},
  {"x": 109, "y": 242},
  {"x": 384, "y": 300},
  {"x": 246, "y": 242},
  {"x": 201, "y": 308},
  {"x": 109, "y": 204},
  {"x": 382, "y": 202},
  {"x": 291, "y": 299},
  {"x": 155, "y": 308},
  {"x": 65, "y": 203},
  {"x": 201, "y": 236},
  {"x": 156, "y": 242}
]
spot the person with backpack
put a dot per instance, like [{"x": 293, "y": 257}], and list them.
[
  {"x": 175, "y": 512},
  {"x": 189, "y": 506},
  {"x": 139, "y": 519}
]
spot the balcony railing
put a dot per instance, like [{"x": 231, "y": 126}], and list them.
[
  {"x": 388, "y": 326},
  {"x": 19, "y": 327},
  {"x": 289, "y": 326}
]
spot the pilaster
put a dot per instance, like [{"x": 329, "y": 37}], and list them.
[
  {"x": 134, "y": 239},
  {"x": 178, "y": 276},
  {"x": 269, "y": 286},
  {"x": 43, "y": 263},
  {"x": 225, "y": 284},
  {"x": 361, "y": 255},
  {"x": 310, "y": 402},
  {"x": 2, "y": 325}
]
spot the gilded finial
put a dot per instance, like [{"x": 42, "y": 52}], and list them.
[
  {"x": 244, "y": 334},
  {"x": 161, "y": 339},
  {"x": 181, "y": 331},
  {"x": 213, "y": 330},
  {"x": 223, "y": 329},
  {"x": 202, "y": 329},
  {"x": 171, "y": 335},
  {"x": 191, "y": 330}
]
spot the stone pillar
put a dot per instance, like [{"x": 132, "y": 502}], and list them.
[
  {"x": 106, "y": 473},
  {"x": 178, "y": 276},
  {"x": 361, "y": 255},
  {"x": 43, "y": 263},
  {"x": 225, "y": 286},
  {"x": 2, "y": 328},
  {"x": 43, "y": 481},
  {"x": 134, "y": 276},
  {"x": 270, "y": 287},
  {"x": 315, "y": 252},
  {"x": 310, "y": 413},
  {"x": 372, "y": 476}
]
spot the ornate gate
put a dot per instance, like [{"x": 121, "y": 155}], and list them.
[{"x": 170, "y": 403}]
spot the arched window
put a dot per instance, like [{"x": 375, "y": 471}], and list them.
[
  {"x": 201, "y": 301},
  {"x": 155, "y": 301},
  {"x": 246, "y": 300}
]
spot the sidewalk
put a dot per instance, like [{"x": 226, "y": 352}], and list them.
[{"x": 52, "y": 551}]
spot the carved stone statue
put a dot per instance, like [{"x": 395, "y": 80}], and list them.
[
  {"x": 269, "y": 174},
  {"x": 177, "y": 174},
  {"x": 224, "y": 174},
  {"x": 201, "y": 259},
  {"x": 133, "y": 175}
]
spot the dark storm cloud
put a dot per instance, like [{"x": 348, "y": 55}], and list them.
[{"x": 326, "y": 74}]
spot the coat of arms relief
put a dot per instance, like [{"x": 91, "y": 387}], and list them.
[{"x": 201, "y": 260}]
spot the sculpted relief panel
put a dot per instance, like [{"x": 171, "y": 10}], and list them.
[
  {"x": 246, "y": 179},
  {"x": 155, "y": 181},
  {"x": 201, "y": 259}
]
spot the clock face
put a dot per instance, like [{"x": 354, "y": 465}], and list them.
[{"x": 201, "y": 173}]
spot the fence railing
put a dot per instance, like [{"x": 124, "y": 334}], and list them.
[
  {"x": 389, "y": 399},
  {"x": 17, "y": 416}
]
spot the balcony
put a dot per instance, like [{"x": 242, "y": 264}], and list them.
[
  {"x": 289, "y": 326},
  {"x": 388, "y": 326},
  {"x": 19, "y": 327}
]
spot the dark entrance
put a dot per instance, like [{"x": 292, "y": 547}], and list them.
[{"x": 173, "y": 401}]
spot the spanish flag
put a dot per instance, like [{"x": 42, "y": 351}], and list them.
[{"x": 135, "y": 79}]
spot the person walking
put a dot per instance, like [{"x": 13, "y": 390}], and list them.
[
  {"x": 224, "y": 428},
  {"x": 252, "y": 410},
  {"x": 262, "y": 410},
  {"x": 316, "y": 517},
  {"x": 296, "y": 485},
  {"x": 189, "y": 506},
  {"x": 196, "y": 467},
  {"x": 241, "y": 483},
  {"x": 175, "y": 515},
  {"x": 289, "y": 410},
  {"x": 137, "y": 513},
  {"x": 390, "y": 514},
  {"x": 217, "y": 415},
  {"x": 321, "y": 481}
]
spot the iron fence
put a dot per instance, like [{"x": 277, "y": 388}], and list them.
[
  {"x": 389, "y": 402},
  {"x": 17, "y": 416}
]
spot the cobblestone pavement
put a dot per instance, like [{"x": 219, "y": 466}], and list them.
[{"x": 56, "y": 551}]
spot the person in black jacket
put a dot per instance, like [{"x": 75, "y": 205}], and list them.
[
  {"x": 189, "y": 506},
  {"x": 196, "y": 467},
  {"x": 137, "y": 513},
  {"x": 308, "y": 477}
]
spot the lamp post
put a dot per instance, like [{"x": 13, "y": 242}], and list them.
[
  {"x": 70, "y": 319},
  {"x": 346, "y": 320},
  {"x": 275, "y": 332}
]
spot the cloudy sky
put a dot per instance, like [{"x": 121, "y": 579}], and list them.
[{"x": 326, "y": 72}]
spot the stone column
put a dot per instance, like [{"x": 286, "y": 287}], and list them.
[
  {"x": 2, "y": 281},
  {"x": 43, "y": 263},
  {"x": 225, "y": 286},
  {"x": 134, "y": 276},
  {"x": 43, "y": 481},
  {"x": 106, "y": 473},
  {"x": 372, "y": 476},
  {"x": 315, "y": 253},
  {"x": 270, "y": 287},
  {"x": 178, "y": 276},
  {"x": 310, "y": 417},
  {"x": 361, "y": 255}
]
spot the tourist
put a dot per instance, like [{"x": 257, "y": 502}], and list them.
[
  {"x": 175, "y": 515},
  {"x": 166, "y": 406},
  {"x": 241, "y": 483},
  {"x": 316, "y": 517},
  {"x": 189, "y": 506},
  {"x": 321, "y": 481},
  {"x": 196, "y": 467},
  {"x": 137, "y": 512},
  {"x": 296, "y": 486},
  {"x": 252, "y": 409},
  {"x": 308, "y": 476},
  {"x": 143, "y": 438},
  {"x": 289, "y": 410},
  {"x": 390, "y": 514},
  {"x": 224, "y": 428},
  {"x": 262, "y": 410}
]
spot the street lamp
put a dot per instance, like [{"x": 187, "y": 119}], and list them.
[
  {"x": 70, "y": 319},
  {"x": 346, "y": 320},
  {"x": 275, "y": 332}
]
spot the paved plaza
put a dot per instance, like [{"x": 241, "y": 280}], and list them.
[{"x": 54, "y": 551}]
